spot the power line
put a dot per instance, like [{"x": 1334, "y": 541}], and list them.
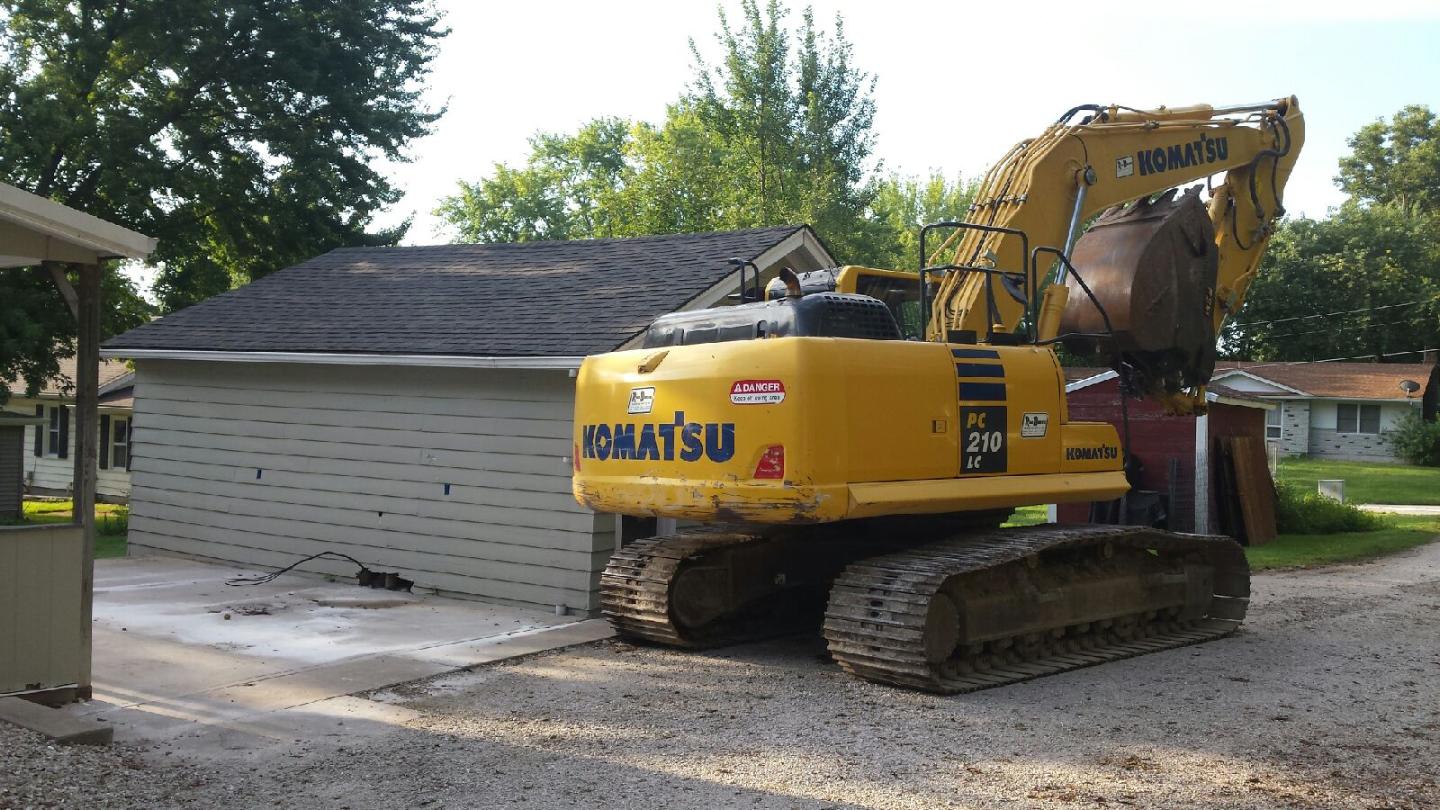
[
  {"x": 1332, "y": 330},
  {"x": 1340, "y": 312},
  {"x": 1251, "y": 366}
]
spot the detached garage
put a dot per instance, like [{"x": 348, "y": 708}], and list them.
[{"x": 410, "y": 406}]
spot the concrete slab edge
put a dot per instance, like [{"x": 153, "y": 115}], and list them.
[
  {"x": 520, "y": 645},
  {"x": 54, "y": 724}
]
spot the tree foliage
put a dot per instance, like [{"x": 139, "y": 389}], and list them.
[
  {"x": 240, "y": 133},
  {"x": 37, "y": 328},
  {"x": 1396, "y": 164},
  {"x": 1364, "y": 282},
  {"x": 904, "y": 204},
  {"x": 779, "y": 129}
]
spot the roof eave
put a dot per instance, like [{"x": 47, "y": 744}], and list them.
[{"x": 348, "y": 359}]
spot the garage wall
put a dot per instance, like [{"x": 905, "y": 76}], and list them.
[{"x": 263, "y": 463}]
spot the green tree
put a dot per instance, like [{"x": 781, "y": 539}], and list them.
[
  {"x": 240, "y": 133},
  {"x": 37, "y": 328},
  {"x": 1365, "y": 282},
  {"x": 904, "y": 204},
  {"x": 1396, "y": 163},
  {"x": 777, "y": 131}
]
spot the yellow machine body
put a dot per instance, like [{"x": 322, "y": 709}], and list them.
[{"x": 852, "y": 428}]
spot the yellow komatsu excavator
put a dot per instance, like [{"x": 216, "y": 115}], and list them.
[{"x": 850, "y": 445}]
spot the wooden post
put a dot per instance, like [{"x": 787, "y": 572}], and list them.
[{"x": 87, "y": 437}]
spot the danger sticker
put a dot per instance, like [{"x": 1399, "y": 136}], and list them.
[{"x": 757, "y": 392}]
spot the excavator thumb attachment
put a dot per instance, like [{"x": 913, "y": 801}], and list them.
[{"x": 1152, "y": 265}]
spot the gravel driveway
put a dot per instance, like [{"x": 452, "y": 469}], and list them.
[{"x": 1328, "y": 697}]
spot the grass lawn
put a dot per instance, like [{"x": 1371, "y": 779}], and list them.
[
  {"x": 112, "y": 522},
  {"x": 1366, "y": 482},
  {"x": 1305, "y": 550},
  {"x": 1026, "y": 516}
]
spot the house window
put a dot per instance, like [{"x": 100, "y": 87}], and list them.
[
  {"x": 120, "y": 444},
  {"x": 56, "y": 414},
  {"x": 1272, "y": 421},
  {"x": 1353, "y": 417}
]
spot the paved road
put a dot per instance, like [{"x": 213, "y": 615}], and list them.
[{"x": 1328, "y": 697}]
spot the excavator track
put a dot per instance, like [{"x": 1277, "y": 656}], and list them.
[
  {"x": 637, "y": 591},
  {"x": 993, "y": 608},
  {"x": 723, "y": 585}
]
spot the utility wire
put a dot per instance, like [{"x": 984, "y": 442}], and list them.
[
  {"x": 1332, "y": 330},
  {"x": 1250, "y": 366},
  {"x": 1338, "y": 313},
  {"x": 261, "y": 579}
]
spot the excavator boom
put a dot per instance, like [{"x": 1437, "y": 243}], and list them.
[{"x": 1048, "y": 187}]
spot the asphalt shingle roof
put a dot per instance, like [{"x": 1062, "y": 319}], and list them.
[
  {"x": 63, "y": 384},
  {"x": 1339, "y": 380},
  {"x": 534, "y": 299}
]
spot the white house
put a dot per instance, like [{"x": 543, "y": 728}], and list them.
[
  {"x": 409, "y": 406},
  {"x": 49, "y": 467},
  {"x": 1336, "y": 410}
]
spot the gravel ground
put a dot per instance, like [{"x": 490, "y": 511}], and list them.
[{"x": 1329, "y": 697}]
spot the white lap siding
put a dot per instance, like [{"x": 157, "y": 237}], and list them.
[
  {"x": 51, "y": 474},
  {"x": 261, "y": 464}
]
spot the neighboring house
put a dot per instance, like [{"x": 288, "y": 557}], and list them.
[
  {"x": 411, "y": 407},
  {"x": 12, "y": 463},
  {"x": 1177, "y": 452},
  {"x": 49, "y": 465},
  {"x": 1335, "y": 410}
]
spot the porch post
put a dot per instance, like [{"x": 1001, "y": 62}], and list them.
[{"x": 87, "y": 437}]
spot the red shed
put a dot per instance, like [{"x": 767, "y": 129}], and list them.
[{"x": 1175, "y": 451}]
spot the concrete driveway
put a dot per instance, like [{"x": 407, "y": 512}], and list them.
[{"x": 178, "y": 653}]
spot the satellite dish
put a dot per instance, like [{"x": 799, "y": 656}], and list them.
[{"x": 1409, "y": 387}]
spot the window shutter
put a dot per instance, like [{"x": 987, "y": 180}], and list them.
[
  {"x": 40, "y": 432},
  {"x": 64, "y": 431},
  {"x": 104, "y": 442},
  {"x": 129, "y": 442}
]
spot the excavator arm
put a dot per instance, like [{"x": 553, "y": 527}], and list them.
[{"x": 1050, "y": 186}]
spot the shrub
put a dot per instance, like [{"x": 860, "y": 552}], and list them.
[
  {"x": 1416, "y": 441},
  {"x": 1300, "y": 512},
  {"x": 117, "y": 522}
]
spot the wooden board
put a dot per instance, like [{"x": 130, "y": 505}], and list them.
[{"x": 1253, "y": 487}]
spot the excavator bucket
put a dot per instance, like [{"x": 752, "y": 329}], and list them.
[{"x": 1152, "y": 266}]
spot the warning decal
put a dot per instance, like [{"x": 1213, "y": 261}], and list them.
[{"x": 757, "y": 392}]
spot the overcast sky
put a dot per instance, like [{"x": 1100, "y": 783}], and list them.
[{"x": 510, "y": 69}]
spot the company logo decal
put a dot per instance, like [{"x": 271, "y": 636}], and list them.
[
  {"x": 757, "y": 392},
  {"x": 641, "y": 400},
  {"x": 1096, "y": 453},
  {"x": 1202, "y": 150},
  {"x": 688, "y": 441}
]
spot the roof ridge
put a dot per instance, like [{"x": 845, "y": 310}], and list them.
[{"x": 603, "y": 240}]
